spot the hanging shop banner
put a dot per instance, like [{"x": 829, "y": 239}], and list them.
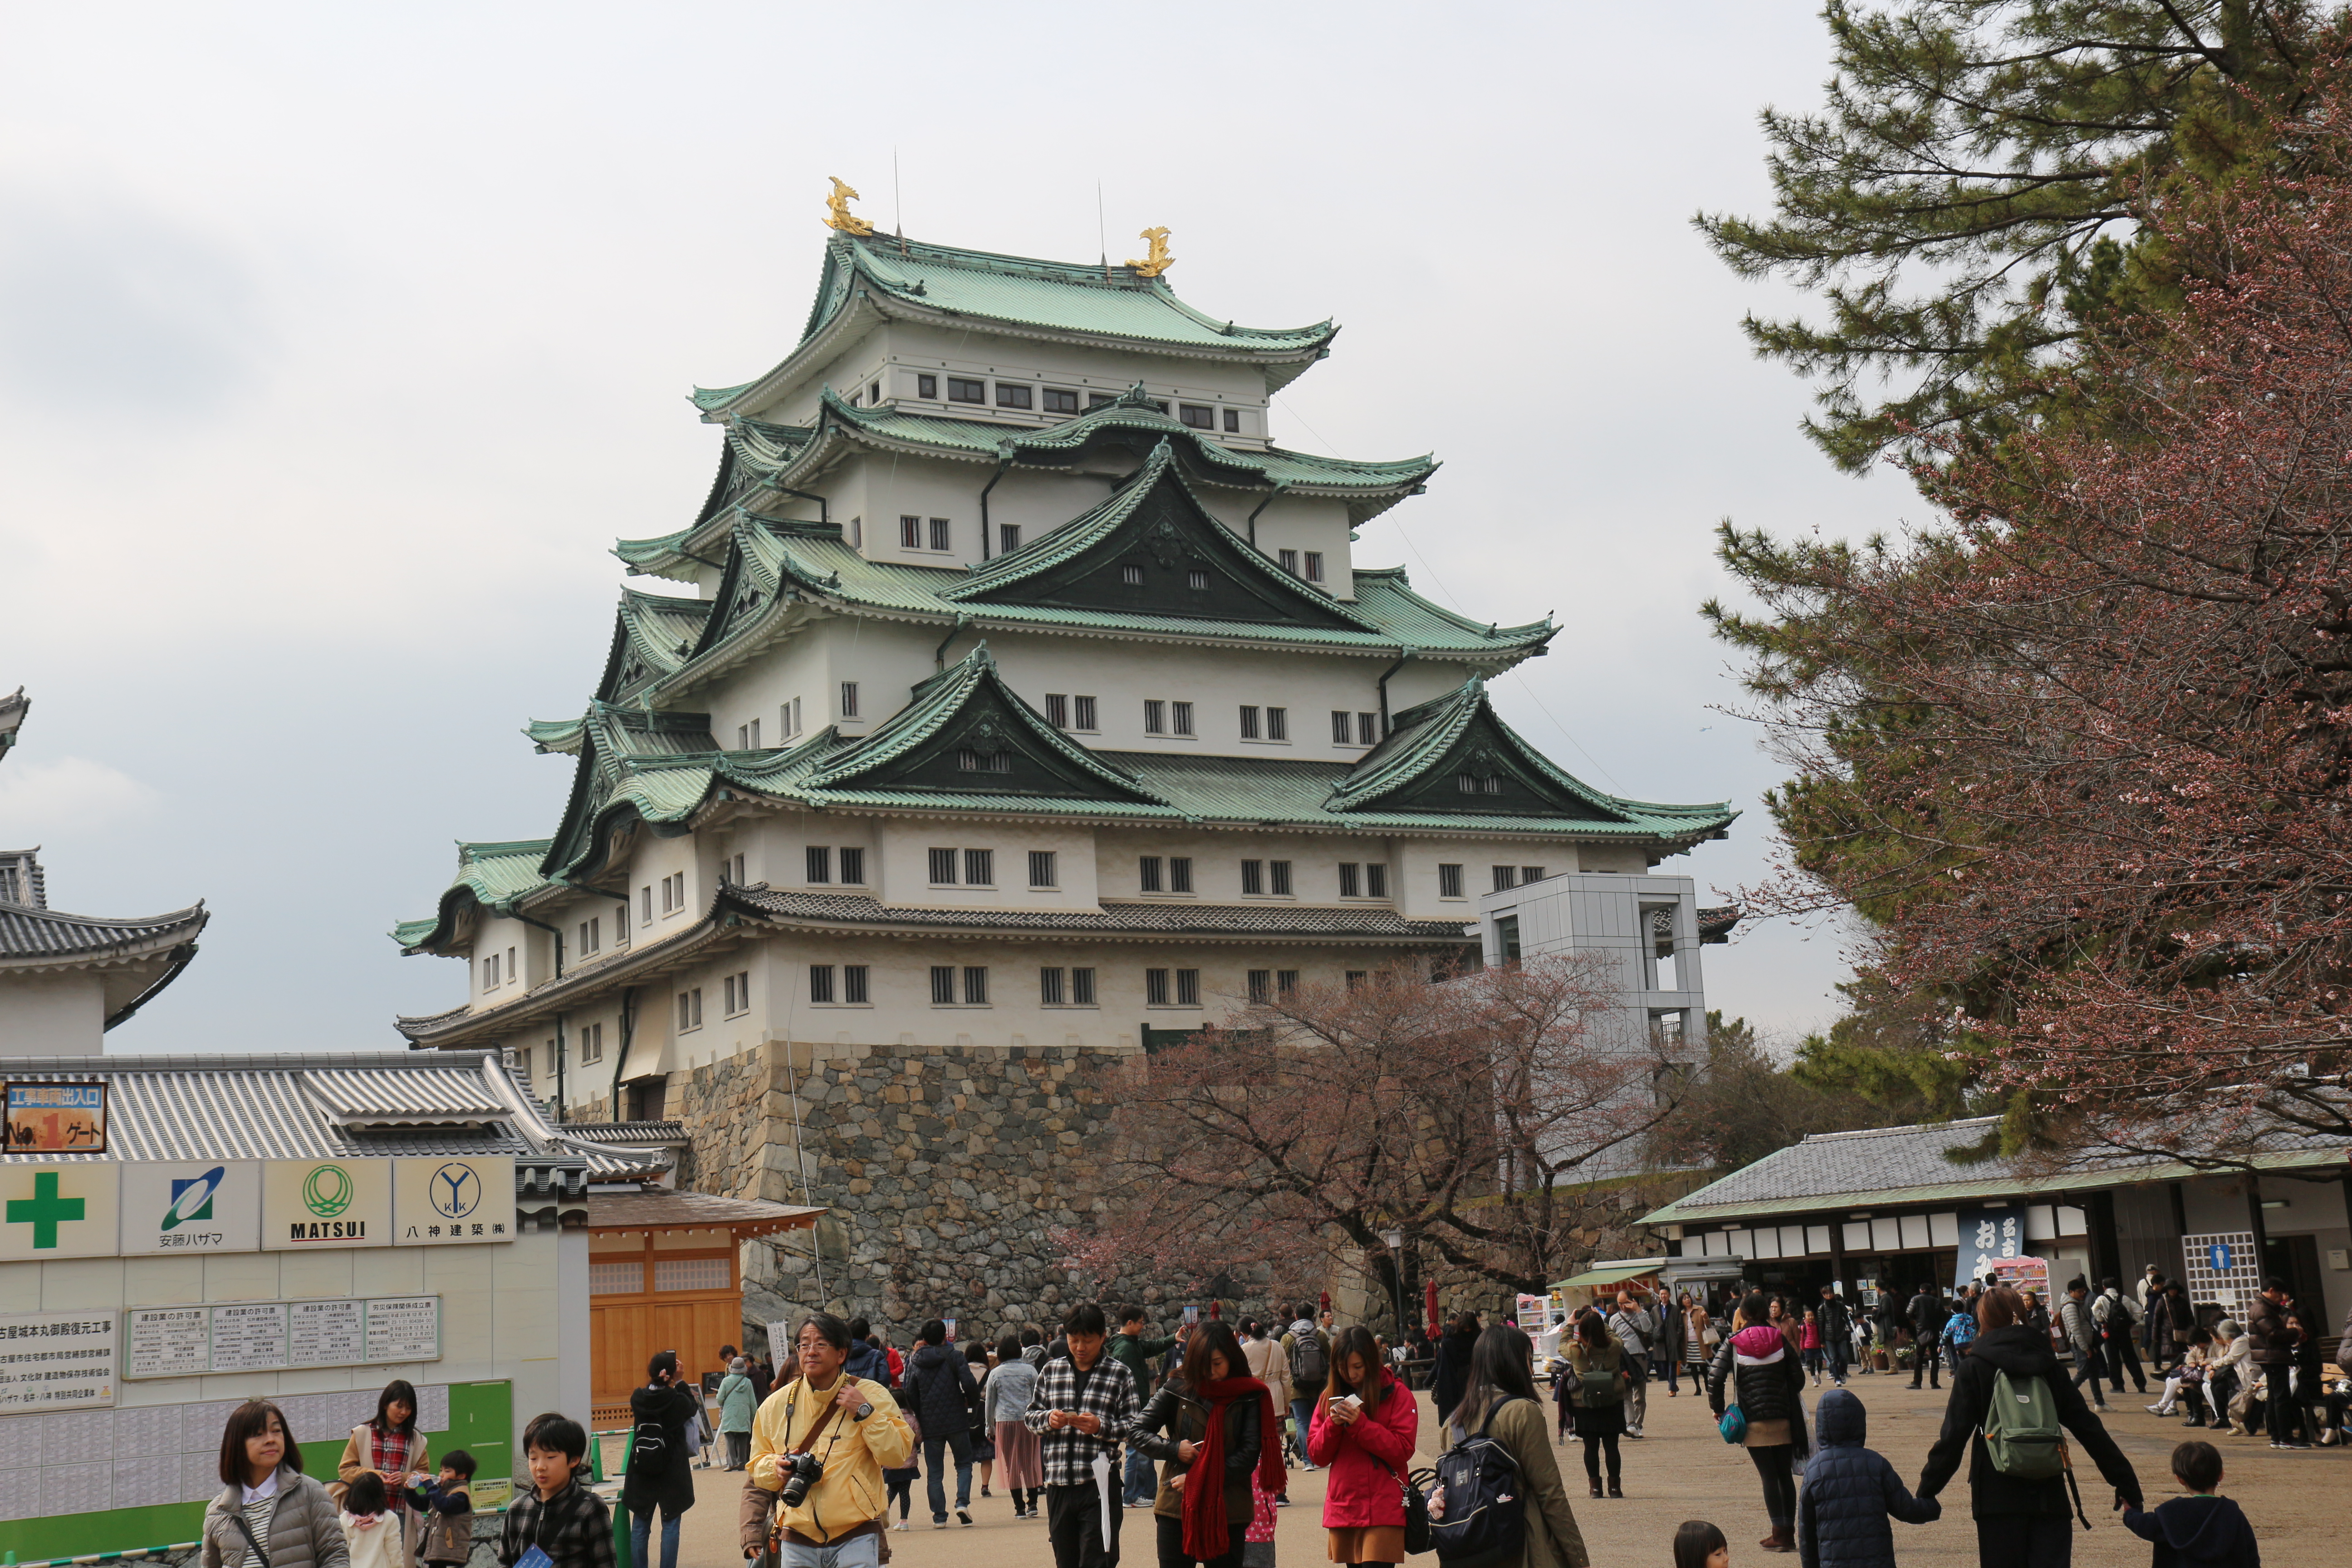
[
  {"x": 56, "y": 1118},
  {"x": 1988, "y": 1238},
  {"x": 459, "y": 1199},
  {"x": 309, "y": 1206},
  {"x": 67, "y": 1210},
  {"x": 56, "y": 1361},
  {"x": 181, "y": 1206}
]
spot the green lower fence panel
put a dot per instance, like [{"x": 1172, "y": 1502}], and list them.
[{"x": 481, "y": 1422}]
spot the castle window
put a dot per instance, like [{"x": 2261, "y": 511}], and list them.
[
  {"x": 1180, "y": 873},
  {"x": 943, "y": 868},
  {"x": 1261, "y": 984},
  {"x": 522, "y": 1066},
  {"x": 1082, "y": 987},
  {"x": 927, "y": 386},
  {"x": 1180, "y": 716},
  {"x": 1147, "y": 877},
  {"x": 689, "y": 1010},
  {"x": 849, "y": 699},
  {"x": 975, "y": 985},
  {"x": 1049, "y": 987},
  {"x": 646, "y": 903},
  {"x": 1368, "y": 728},
  {"x": 1342, "y": 729},
  {"x": 820, "y": 863},
  {"x": 1253, "y": 877},
  {"x": 1286, "y": 983},
  {"x": 1277, "y": 723},
  {"x": 857, "y": 533},
  {"x": 854, "y": 989},
  {"x": 1060, "y": 401},
  {"x": 1008, "y": 538},
  {"x": 819, "y": 982},
  {"x": 1197, "y": 416},
  {"x": 1376, "y": 880},
  {"x": 592, "y": 936},
  {"x": 1132, "y": 575},
  {"x": 1356, "y": 977},
  {"x": 873, "y": 394},
  {"x": 738, "y": 994},
  {"x": 910, "y": 533},
  {"x": 962, "y": 390},
  {"x": 1196, "y": 579},
  {"x": 1100, "y": 400},
  {"x": 1449, "y": 881},
  {"x": 490, "y": 973},
  {"x": 1478, "y": 783},
  {"x": 1234, "y": 420},
  {"x": 1083, "y": 712},
  {"x": 1042, "y": 871},
  {"x": 942, "y": 984},
  {"x": 1277, "y": 876},
  {"x": 1057, "y": 709},
  {"x": 514, "y": 969},
  {"x": 1249, "y": 723},
  {"x": 621, "y": 922},
  {"x": 1188, "y": 988},
  {"x": 1155, "y": 988},
  {"x": 853, "y": 866},
  {"x": 1530, "y": 874},
  {"x": 1009, "y": 395},
  {"x": 940, "y": 533},
  {"x": 592, "y": 1043},
  {"x": 1288, "y": 560},
  {"x": 1505, "y": 878},
  {"x": 1155, "y": 716},
  {"x": 980, "y": 868},
  {"x": 747, "y": 736},
  {"x": 1351, "y": 880},
  {"x": 1315, "y": 566},
  {"x": 974, "y": 761}
]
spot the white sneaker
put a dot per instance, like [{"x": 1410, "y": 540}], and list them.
[{"x": 900, "y": 1525}]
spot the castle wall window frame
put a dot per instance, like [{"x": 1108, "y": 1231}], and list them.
[
  {"x": 1156, "y": 989},
  {"x": 821, "y": 984},
  {"x": 490, "y": 973},
  {"x": 1277, "y": 723},
  {"x": 1252, "y": 878},
  {"x": 1155, "y": 716},
  {"x": 674, "y": 893},
  {"x": 943, "y": 979},
  {"x": 592, "y": 936},
  {"x": 1376, "y": 880},
  {"x": 1343, "y": 727},
  {"x": 910, "y": 531},
  {"x": 1082, "y": 715},
  {"x": 927, "y": 386},
  {"x": 1147, "y": 876},
  {"x": 1057, "y": 709},
  {"x": 1232, "y": 421},
  {"x": 1505, "y": 878},
  {"x": 689, "y": 1010},
  {"x": 1050, "y": 987},
  {"x": 1060, "y": 400},
  {"x": 1449, "y": 881},
  {"x": 1013, "y": 394},
  {"x": 943, "y": 868},
  {"x": 1368, "y": 728},
  {"x": 853, "y": 866},
  {"x": 1008, "y": 538},
  {"x": 942, "y": 535},
  {"x": 1045, "y": 869},
  {"x": 1314, "y": 566},
  {"x": 737, "y": 992},
  {"x": 849, "y": 699},
  {"x": 1197, "y": 416},
  {"x": 1188, "y": 988},
  {"x": 975, "y": 985},
  {"x": 1277, "y": 879},
  {"x": 980, "y": 868},
  {"x": 819, "y": 864},
  {"x": 1286, "y": 984},
  {"x": 646, "y": 903},
  {"x": 1100, "y": 400},
  {"x": 592, "y": 1043},
  {"x": 1249, "y": 720},
  {"x": 1261, "y": 986},
  {"x": 738, "y": 867},
  {"x": 621, "y": 922},
  {"x": 1131, "y": 574},
  {"x": 1530, "y": 874},
  {"x": 1352, "y": 881},
  {"x": 1180, "y": 873},
  {"x": 965, "y": 389},
  {"x": 1179, "y": 718},
  {"x": 857, "y": 985},
  {"x": 747, "y": 737},
  {"x": 1082, "y": 986},
  {"x": 1288, "y": 560}
]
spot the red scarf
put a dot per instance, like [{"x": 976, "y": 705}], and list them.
[{"x": 1207, "y": 1532}]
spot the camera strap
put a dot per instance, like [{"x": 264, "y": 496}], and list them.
[{"x": 832, "y": 1409}]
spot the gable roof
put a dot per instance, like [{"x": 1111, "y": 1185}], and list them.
[
  {"x": 1016, "y": 295},
  {"x": 1081, "y": 564},
  {"x": 491, "y": 876}
]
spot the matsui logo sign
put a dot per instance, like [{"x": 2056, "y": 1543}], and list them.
[{"x": 326, "y": 1203}]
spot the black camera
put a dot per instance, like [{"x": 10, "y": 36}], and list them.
[{"x": 801, "y": 1471}]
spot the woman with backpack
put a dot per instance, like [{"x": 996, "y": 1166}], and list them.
[
  {"x": 1755, "y": 1370},
  {"x": 1499, "y": 1408},
  {"x": 662, "y": 1415},
  {"x": 1364, "y": 1429},
  {"x": 1595, "y": 1391},
  {"x": 2017, "y": 1490}
]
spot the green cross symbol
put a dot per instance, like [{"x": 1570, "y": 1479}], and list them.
[{"x": 43, "y": 1209}]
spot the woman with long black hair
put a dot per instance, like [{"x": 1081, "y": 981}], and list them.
[
  {"x": 1212, "y": 1427},
  {"x": 391, "y": 1448},
  {"x": 1452, "y": 1370},
  {"x": 1757, "y": 1369},
  {"x": 1500, "y": 1402},
  {"x": 1596, "y": 1384},
  {"x": 1364, "y": 1429}
]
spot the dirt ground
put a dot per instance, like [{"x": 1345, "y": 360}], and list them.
[{"x": 2298, "y": 1500}]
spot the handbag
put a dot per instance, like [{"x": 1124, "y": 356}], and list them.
[
  {"x": 1416, "y": 1507},
  {"x": 1734, "y": 1425}
]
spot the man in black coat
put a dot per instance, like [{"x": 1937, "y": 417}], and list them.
[
  {"x": 937, "y": 1389},
  {"x": 2018, "y": 1522},
  {"x": 1837, "y": 1332},
  {"x": 1927, "y": 1318}
]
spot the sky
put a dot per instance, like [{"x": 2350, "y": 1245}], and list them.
[{"x": 337, "y": 345}]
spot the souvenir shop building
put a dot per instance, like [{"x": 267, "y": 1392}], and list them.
[{"x": 1887, "y": 1208}]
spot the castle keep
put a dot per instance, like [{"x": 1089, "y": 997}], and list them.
[{"x": 1011, "y": 701}]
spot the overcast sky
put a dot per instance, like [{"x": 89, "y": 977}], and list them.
[{"x": 338, "y": 344}]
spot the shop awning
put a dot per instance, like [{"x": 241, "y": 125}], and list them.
[{"x": 1610, "y": 1274}]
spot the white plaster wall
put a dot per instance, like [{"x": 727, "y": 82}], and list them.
[{"x": 52, "y": 1015}]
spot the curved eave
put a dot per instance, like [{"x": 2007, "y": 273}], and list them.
[{"x": 43, "y": 941}]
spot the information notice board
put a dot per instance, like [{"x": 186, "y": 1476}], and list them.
[{"x": 276, "y": 1336}]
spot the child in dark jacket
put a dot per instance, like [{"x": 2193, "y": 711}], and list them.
[
  {"x": 1850, "y": 1491},
  {"x": 2199, "y": 1529}
]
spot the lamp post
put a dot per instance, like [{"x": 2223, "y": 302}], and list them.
[{"x": 1394, "y": 1241}]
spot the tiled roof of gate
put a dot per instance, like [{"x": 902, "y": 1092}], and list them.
[{"x": 43, "y": 935}]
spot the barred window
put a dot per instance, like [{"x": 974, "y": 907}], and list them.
[
  {"x": 1376, "y": 880},
  {"x": 1351, "y": 883},
  {"x": 1342, "y": 727},
  {"x": 1082, "y": 987},
  {"x": 1049, "y": 987},
  {"x": 1196, "y": 579},
  {"x": 1449, "y": 881},
  {"x": 1180, "y": 717},
  {"x": 820, "y": 981},
  {"x": 1261, "y": 984},
  {"x": 853, "y": 983},
  {"x": 1368, "y": 728},
  {"x": 1132, "y": 575},
  {"x": 1180, "y": 873},
  {"x": 976, "y": 761},
  {"x": 1249, "y": 723},
  {"x": 1253, "y": 876},
  {"x": 1286, "y": 983},
  {"x": 910, "y": 533},
  {"x": 1147, "y": 874},
  {"x": 1042, "y": 871},
  {"x": 943, "y": 868},
  {"x": 1155, "y": 988},
  {"x": 1505, "y": 878},
  {"x": 1057, "y": 709},
  {"x": 1084, "y": 713},
  {"x": 980, "y": 868},
  {"x": 942, "y": 984},
  {"x": 940, "y": 529},
  {"x": 820, "y": 863},
  {"x": 1155, "y": 716},
  {"x": 853, "y": 866},
  {"x": 1530, "y": 874},
  {"x": 1188, "y": 988},
  {"x": 1315, "y": 566},
  {"x": 1277, "y": 723},
  {"x": 975, "y": 985},
  {"x": 1277, "y": 874}
]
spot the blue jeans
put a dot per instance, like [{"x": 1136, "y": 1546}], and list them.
[
  {"x": 959, "y": 1439},
  {"x": 1302, "y": 1411},
  {"x": 1136, "y": 1481},
  {"x": 641, "y": 1526},
  {"x": 858, "y": 1552}
]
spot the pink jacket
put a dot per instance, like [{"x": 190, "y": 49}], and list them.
[{"x": 1360, "y": 1490}]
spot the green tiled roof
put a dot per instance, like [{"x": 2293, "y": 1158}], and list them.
[
  {"x": 493, "y": 875},
  {"x": 557, "y": 734}
]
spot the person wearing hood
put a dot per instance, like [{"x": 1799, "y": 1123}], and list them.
[
  {"x": 1849, "y": 1493},
  {"x": 1755, "y": 1370},
  {"x": 2020, "y": 1523},
  {"x": 1452, "y": 1378},
  {"x": 2200, "y": 1529},
  {"x": 939, "y": 1391},
  {"x": 867, "y": 1360}
]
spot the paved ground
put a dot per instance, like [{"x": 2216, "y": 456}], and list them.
[{"x": 2298, "y": 1500}]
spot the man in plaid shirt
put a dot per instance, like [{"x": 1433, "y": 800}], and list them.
[{"x": 1085, "y": 1404}]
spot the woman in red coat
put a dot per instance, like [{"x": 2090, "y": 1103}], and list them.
[{"x": 1363, "y": 1433}]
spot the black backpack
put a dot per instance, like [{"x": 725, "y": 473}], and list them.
[
  {"x": 1485, "y": 1522},
  {"x": 1309, "y": 1363}
]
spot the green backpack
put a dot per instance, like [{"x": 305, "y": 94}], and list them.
[
  {"x": 1598, "y": 1386},
  {"x": 2022, "y": 1429}
]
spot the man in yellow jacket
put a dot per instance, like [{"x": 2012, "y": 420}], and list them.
[{"x": 854, "y": 1427}]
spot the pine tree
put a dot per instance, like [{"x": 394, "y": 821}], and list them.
[{"x": 1965, "y": 202}]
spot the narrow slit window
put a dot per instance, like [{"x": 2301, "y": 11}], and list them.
[
  {"x": 1155, "y": 716},
  {"x": 1147, "y": 877},
  {"x": 1249, "y": 722},
  {"x": 1049, "y": 987},
  {"x": 819, "y": 982},
  {"x": 1188, "y": 988},
  {"x": 849, "y": 699},
  {"x": 1082, "y": 987},
  {"x": 820, "y": 863},
  {"x": 942, "y": 984},
  {"x": 855, "y": 989},
  {"x": 1155, "y": 988},
  {"x": 1253, "y": 877},
  {"x": 1277, "y": 876},
  {"x": 1180, "y": 873}
]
